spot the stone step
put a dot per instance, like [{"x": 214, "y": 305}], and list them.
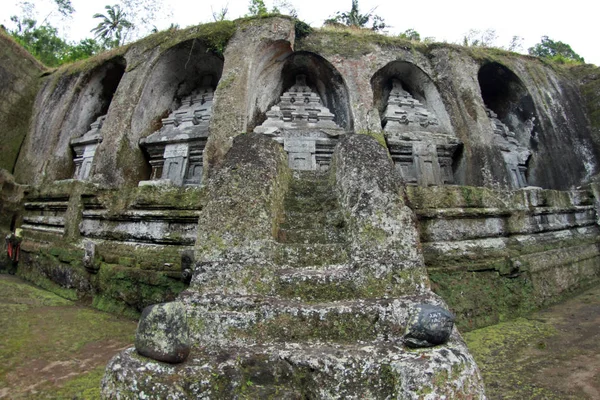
[
  {"x": 319, "y": 235},
  {"x": 312, "y": 220},
  {"x": 301, "y": 371},
  {"x": 302, "y": 255},
  {"x": 318, "y": 283},
  {"x": 260, "y": 319},
  {"x": 311, "y": 203}
]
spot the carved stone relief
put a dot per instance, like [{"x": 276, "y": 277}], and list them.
[
  {"x": 421, "y": 150},
  {"x": 176, "y": 149},
  {"x": 85, "y": 149},
  {"x": 304, "y": 126}
]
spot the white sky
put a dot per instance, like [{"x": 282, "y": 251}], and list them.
[{"x": 574, "y": 22}]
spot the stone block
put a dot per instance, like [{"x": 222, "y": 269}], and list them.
[
  {"x": 162, "y": 333},
  {"x": 428, "y": 326}
]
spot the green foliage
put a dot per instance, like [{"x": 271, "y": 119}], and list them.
[
  {"x": 302, "y": 29},
  {"x": 113, "y": 26},
  {"x": 65, "y": 8},
  {"x": 410, "y": 34},
  {"x": 257, "y": 8},
  {"x": 354, "y": 18},
  {"x": 44, "y": 43},
  {"x": 556, "y": 51}
]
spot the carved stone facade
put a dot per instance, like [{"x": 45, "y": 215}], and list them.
[
  {"x": 304, "y": 126},
  {"x": 422, "y": 151},
  {"x": 515, "y": 156},
  {"x": 175, "y": 151},
  {"x": 85, "y": 149}
]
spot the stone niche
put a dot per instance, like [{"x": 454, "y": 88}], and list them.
[
  {"x": 511, "y": 111},
  {"x": 98, "y": 93},
  {"x": 422, "y": 146},
  {"x": 175, "y": 150},
  {"x": 307, "y": 110}
]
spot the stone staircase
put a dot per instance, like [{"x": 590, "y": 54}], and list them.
[
  {"x": 312, "y": 251},
  {"x": 296, "y": 314}
]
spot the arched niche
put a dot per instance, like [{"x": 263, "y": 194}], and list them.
[
  {"x": 172, "y": 117},
  {"x": 321, "y": 76},
  {"x": 504, "y": 93},
  {"x": 87, "y": 117},
  {"x": 413, "y": 80},
  {"x": 176, "y": 74},
  {"x": 416, "y": 125},
  {"x": 512, "y": 113},
  {"x": 99, "y": 86}
]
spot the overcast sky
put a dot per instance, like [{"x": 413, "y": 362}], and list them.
[{"x": 574, "y": 22}]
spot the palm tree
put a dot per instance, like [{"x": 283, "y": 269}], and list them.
[{"x": 110, "y": 29}]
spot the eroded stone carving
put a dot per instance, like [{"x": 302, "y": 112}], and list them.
[
  {"x": 304, "y": 126},
  {"x": 85, "y": 149},
  {"x": 176, "y": 149},
  {"x": 515, "y": 156},
  {"x": 422, "y": 151}
]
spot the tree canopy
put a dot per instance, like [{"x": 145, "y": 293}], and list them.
[
  {"x": 113, "y": 26},
  {"x": 555, "y": 50}
]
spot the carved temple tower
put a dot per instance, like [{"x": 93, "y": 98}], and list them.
[{"x": 304, "y": 126}]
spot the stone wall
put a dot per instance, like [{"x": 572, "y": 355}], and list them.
[
  {"x": 19, "y": 79},
  {"x": 494, "y": 255},
  {"x": 142, "y": 232}
]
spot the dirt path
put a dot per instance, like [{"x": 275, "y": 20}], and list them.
[
  {"x": 552, "y": 354},
  {"x": 52, "y": 348}
]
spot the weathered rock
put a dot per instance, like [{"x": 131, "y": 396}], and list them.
[
  {"x": 382, "y": 233},
  {"x": 428, "y": 326},
  {"x": 162, "y": 333}
]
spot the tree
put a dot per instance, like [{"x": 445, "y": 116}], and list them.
[
  {"x": 257, "y": 8},
  {"x": 355, "y": 19},
  {"x": 143, "y": 15},
  {"x": 557, "y": 51},
  {"x": 113, "y": 27},
  {"x": 42, "y": 42},
  {"x": 221, "y": 15},
  {"x": 410, "y": 34}
]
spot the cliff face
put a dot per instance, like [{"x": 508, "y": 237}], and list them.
[
  {"x": 253, "y": 62},
  {"x": 19, "y": 77},
  {"x": 229, "y": 159}
]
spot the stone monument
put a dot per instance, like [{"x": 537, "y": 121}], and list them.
[
  {"x": 85, "y": 149},
  {"x": 515, "y": 156},
  {"x": 304, "y": 126},
  {"x": 175, "y": 150},
  {"x": 422, "y": 151}
]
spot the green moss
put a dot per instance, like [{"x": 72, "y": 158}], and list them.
[
  {"x": 335, "y": 327},
  {"x": 497, "y": 350},
  {"x": 124, "y": 289},
  {"x": 41, "y": 331},
  {"x": 33, "y": 275},
  {"x": 484, "y": 298}
]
